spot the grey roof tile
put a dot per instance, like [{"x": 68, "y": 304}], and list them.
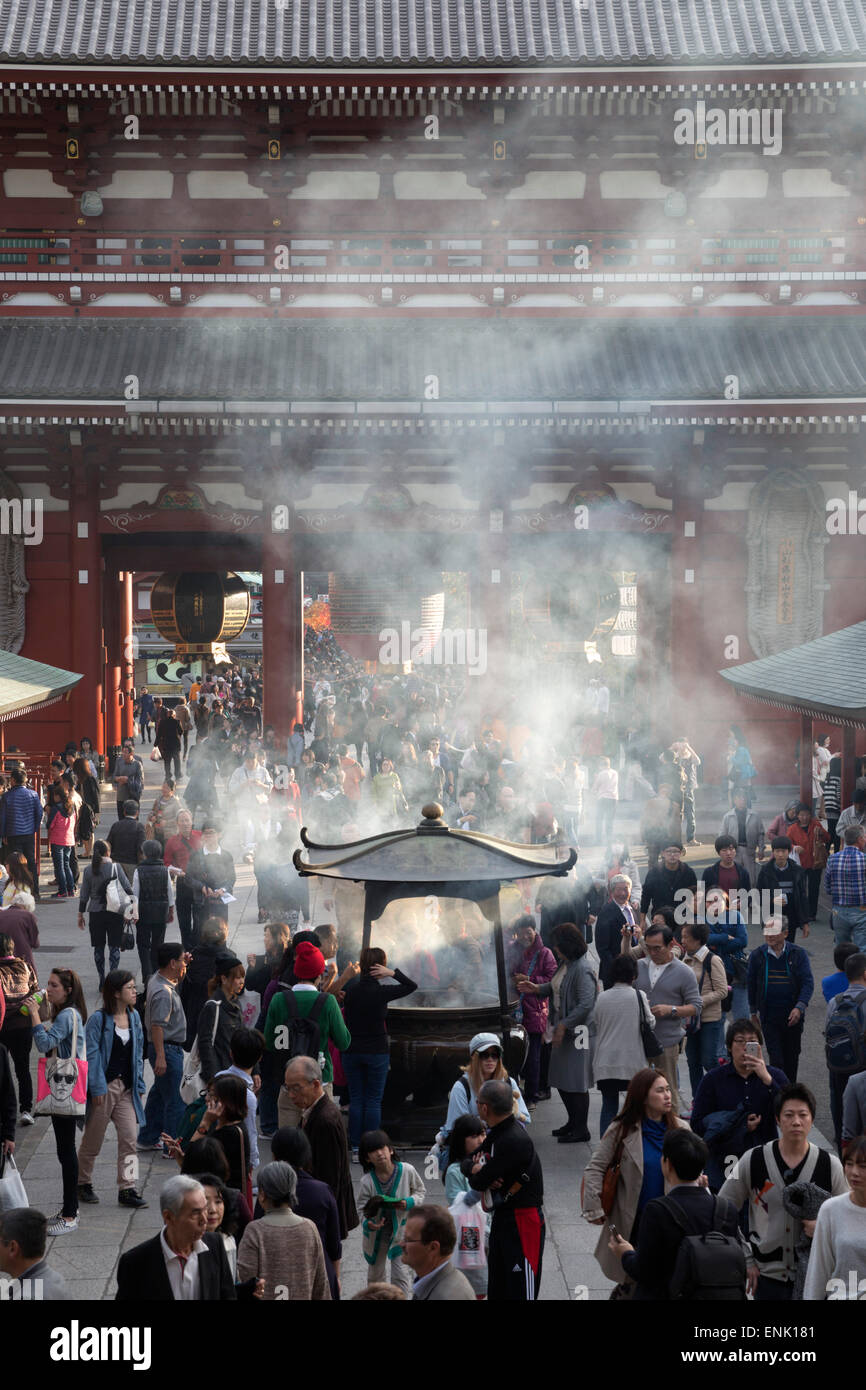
[
  {"x": 539, "y": 359},
  {"x": 398, "y": 32},
  {"x": 826, "y": 675}
]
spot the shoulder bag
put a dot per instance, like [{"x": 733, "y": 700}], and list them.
[
  {"x": 610, "y": 1180},
  {"x": 192, "y": 1084},
  {"x": 116, "y": 899},
  {"x": 61, "y": 1085},
  {"x": 651, "y": 1045}
]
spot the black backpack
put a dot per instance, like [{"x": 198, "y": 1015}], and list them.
[
  {"x": 709, "y": 1267},
  {"x": 305, "y": 1039},
  {"x": 845, "y": 1036}
]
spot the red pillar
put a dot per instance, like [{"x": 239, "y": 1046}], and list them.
[
  {"x": 127, "y": 668},
  {"x": 806, "y": 740},
  {"x": 85, "y": 609},
  {"x": 282, "y": 624},
  {"x": 113, "y": 652}
]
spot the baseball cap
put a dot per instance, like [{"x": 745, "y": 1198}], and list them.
[{"x": 482, "y": 1041}]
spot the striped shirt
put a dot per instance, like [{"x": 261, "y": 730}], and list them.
[{"x": 845, "y": 877}]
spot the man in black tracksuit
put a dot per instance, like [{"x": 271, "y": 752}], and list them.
[{"x": 508, "y": 1166}]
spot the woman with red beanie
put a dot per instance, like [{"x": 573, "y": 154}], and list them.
[{"x": 288, "y": 1030}]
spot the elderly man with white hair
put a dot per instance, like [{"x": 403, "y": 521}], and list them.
[
  {"x": 183, "y": 1262},
  {"x": 616, "y": 914},
  {"x": 780, "y": 985}
]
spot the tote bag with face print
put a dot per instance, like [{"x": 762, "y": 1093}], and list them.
[{"x": 61, "y": 1082}]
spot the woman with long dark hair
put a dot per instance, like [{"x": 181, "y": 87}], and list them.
[
  {"x": 66, "y": 1012},
  {"x": 88, "y": 816},
  {"x": 17, "y": 981},
  {"x": 634, "y": 1140},
  {"x": 19, "y": 880},
  {"x": 87, "y": 753},
  {"x": 220, "y": 1016},
  {"x": 573, "y": 992},
  {"x": 61, "y": 839},
  {"x": 115, "y": 1084},
  {"x": 104, "y": 925},
  {"x": 225, "y": 1120},
  {"x": 466, "y": 1138}
]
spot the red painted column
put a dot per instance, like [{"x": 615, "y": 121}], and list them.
[
  {"x": 111, "y": 629},
  {"x": 86, "y": 607},
  {"x": 282, "y": 624},
  {"x": 127, "y": 668}
]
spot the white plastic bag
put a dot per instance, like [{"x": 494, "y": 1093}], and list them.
[
  {"x": 12, "y": 1192},
  {"x": 251, "y": 1006},
  {"x": 471, "y": 1223}
]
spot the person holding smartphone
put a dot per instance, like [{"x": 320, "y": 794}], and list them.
[{"x": 743, "y": 1083}]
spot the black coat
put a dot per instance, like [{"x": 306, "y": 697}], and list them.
[
  {"x": 142, "y": 1276},
  {"x": 8, "y": 1096},
  {"x": 210, "y": 871},
  {"x": 608, "y": 939},
  {"x": 193, "y": 988},
  {"x": 651, "y": 1265},
  {"x": 324, "y": 1129}
]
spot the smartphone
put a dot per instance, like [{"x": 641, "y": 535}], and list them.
[
  {"x": 753, "y": 1049},
  {"x": 612, "y": 1229}
]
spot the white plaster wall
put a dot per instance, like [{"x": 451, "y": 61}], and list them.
[
  {"x": 222, "y": 183},
  {"x": 434, "y": 185},
  {"x": 541, "y": 184},
  {"x": 32, "y": 183},
  {"x": 340, "y": 184},
  {"x": 139, "y": 183},
  {"x": 632, "y": 183}
]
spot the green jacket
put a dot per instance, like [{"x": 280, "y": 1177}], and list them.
[{"x": 331, "y": 1025}]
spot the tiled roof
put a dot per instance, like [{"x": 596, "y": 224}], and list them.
[
  {"x": 214, "y": 33},
  {"x": 826, "y": 676},
  {"x": 378, "y": 360},
  {"x": 26, "y": 686}
]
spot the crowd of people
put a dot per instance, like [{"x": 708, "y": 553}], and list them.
[{"x": 622, "y": 985}]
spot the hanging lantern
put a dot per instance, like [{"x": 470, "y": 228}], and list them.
[{"x": 200, "y": 612}]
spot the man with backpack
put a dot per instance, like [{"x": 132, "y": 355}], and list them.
[
  {"x": 845, "y": 1037},
  {"x": 301, "y": 1020},
  {"x": 760, "y": 1179},
  {"x": 689, "y": 1245}
]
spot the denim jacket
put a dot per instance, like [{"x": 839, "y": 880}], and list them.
[
  {"x": 59, "y": 1034},
  {"x": 100, "y": 1040}
]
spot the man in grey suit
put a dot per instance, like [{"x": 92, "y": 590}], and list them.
[{"x": 428, "y": 1242}]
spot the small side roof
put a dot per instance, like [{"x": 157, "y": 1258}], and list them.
[
  {"x": 26, "y": 686},
  {"x": 826, "y": 677}
]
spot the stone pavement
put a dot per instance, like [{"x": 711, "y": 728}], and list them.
[{"x": 88, "y": 1257}]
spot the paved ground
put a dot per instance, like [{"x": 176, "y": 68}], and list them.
[{"x": 88, "y": 1257}]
